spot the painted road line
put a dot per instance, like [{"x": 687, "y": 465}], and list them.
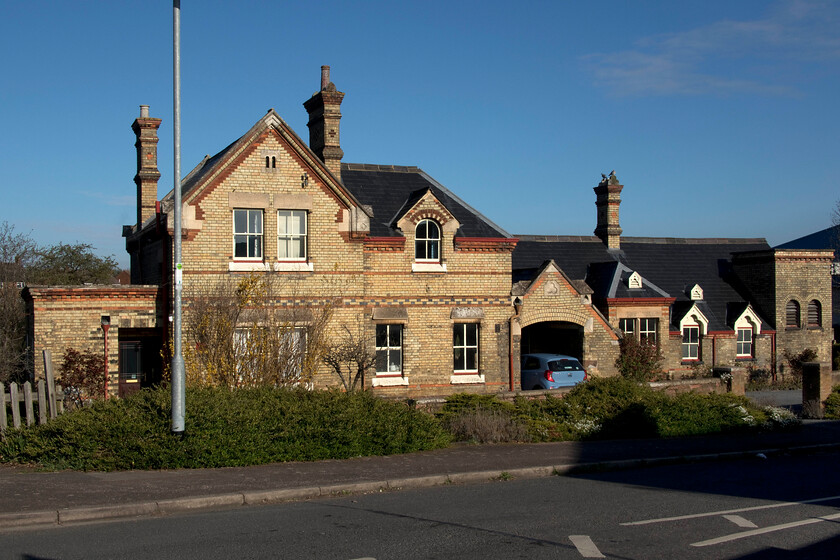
[
  {"x": 585, "y": 546},
  {"x": 740, "y": 521},
  {"x": 727, "y": 511},
  {"x": 754, "y": 532}
]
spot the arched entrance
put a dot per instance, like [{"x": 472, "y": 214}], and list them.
[{"x": 553, "y": 337}]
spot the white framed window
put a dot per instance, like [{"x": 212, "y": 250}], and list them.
[
  {"x": 744, "y": 345},
  {"x": 291, "y": 235},
  {"x": 389, "y": 349},
  {"x": 691, "y": 342},
  {"x": 465, "y": 347},
  {"x": 247, "y": 234},
  {"x": 427, "y": 241},
  {"x": 647, "y": 330}
]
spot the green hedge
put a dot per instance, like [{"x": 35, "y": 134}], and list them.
[{"x": 224, "y": 428}]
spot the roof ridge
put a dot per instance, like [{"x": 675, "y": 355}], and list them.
[{"x": 380, "y": 167}]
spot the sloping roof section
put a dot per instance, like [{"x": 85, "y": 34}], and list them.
[
  {"x": 828, "y": 238},
  {"x": 211, "y": 166},
  {"x": 391, "y": 190},
  {"x": 668, "y": 266}
]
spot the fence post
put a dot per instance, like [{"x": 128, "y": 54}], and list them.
[
  {"x": 15, "y": 398},
  {"x": 3, "y": 419},
  {"x": 48, "y": 374},
  {"x": 42, "y": 402},
  {"x": 27, "y": 401}
]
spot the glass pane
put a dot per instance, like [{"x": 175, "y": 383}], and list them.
[
  {"x": 457, "y": 336},
  {"x": 240, "y": 246},
  {"x": 394, "y": 336},
  {"x": 255, "y": 219},
  {"x": 472, "y": 332},
  {"x": 459, "y": 360},
  {"x": 381, "y": 361},
  {"x": 282, "y": 217},
  {"x": 298, "y": 248},
  {"x": 240, "y": 218},
  {"x": 433, "y": 230},
  {"x": 395, "y": 361},
  {"x": 255, "y": 249},
  {"x": 296, "y": 223},
  {"x": 381, "y": 336},
  {"x": 472, "y": 358},
  {"x": 282, "y": 249},
  {"x": 433, "y": 250},
  {"x": 422, "y": 230}
]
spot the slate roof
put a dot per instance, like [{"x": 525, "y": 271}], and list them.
[
  {"x": 668, "y": 265},
  {"x": 827, "y": 238},
  {"x": 392, "y": 190}
]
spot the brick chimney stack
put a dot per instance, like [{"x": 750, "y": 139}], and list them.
[
  {"x": 145, "y": 128},
  {"x": 324, "y": 109},
  {"x": 608, "y": 199}
]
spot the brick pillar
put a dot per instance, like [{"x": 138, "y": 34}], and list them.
[
  {"x": 324, "y": 109},
  {"x": 816, "y": 386},
  {"x": 608, "y": 200},
  {"x": 145, "y": 128},
  {"x": 738, "y": 383}
]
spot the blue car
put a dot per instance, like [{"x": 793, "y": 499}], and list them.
[{"x": 551, "y": 371}]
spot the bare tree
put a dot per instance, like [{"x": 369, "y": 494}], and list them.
[
  {"x": 351, "y": 356},
  {"x": 254, "y": 331},
  {"x": 17, "y": 252}
]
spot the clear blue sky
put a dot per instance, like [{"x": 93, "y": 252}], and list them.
[{"x": 721, "y": 118}]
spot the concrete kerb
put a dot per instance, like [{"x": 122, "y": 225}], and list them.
[{"x": 180, "y": 505}]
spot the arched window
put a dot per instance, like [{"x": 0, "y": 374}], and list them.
[
  {"x": 792, "y": 319},
  {"x": 267, "y": 159},
  {"x": 814, "y": 313},
  {"x": 427, "y": 241}
]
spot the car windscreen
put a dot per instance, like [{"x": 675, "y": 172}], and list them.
[{"x": 564, "y": 365}]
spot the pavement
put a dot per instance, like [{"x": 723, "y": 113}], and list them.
[{"x": 32, "y": 499}]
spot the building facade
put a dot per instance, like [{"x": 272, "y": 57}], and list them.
[{"x": 448, "y": 299}]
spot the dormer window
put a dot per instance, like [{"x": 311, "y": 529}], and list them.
[
  {"x": 427, "y": 242},
  {"x": 696, "y": 293}
]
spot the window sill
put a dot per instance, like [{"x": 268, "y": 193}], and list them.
[
  {"x": 465, "y": 378},
  {"x": 389, "y": 381},
  {"x": 744, "y": 359},
  {"x": 301, "y": 266},
  {"x": 246, "y": 266},
  {"x": 428, "y": 267}
]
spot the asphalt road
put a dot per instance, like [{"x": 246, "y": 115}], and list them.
[{"x": 776, "y": 508}]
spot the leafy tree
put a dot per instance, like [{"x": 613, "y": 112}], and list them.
[
  {"x": 68, "y": 265},
  {"x": 639, "y": 361}
]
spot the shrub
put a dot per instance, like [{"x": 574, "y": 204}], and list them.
[
  {"x": 639, "y": 361},
  {"x": 224, "y": 428},
  {"x": 82, "y": 374},
  {"x": 759, "y": 378},
  {"x": 693, "y": 414},
  {"x": 486, "y": 426},
  {"x": 795, "y": 361},
  {"x": 832, "y": 404}
]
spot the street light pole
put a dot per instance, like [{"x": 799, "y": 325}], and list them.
[{"x": 178, "y": 382}]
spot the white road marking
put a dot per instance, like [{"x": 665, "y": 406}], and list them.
[
  {"x": 740, "y": 521},
  {"x": 585, "y": 546},
  {"x": 745, "y": 534},
  {"x": 727, "y": 511}
]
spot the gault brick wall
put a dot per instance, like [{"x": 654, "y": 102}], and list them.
[
  {"x": 71, "y": 317},
  {"x": 359, "y": 277},
  {"x": 778, "y": 276},
  {"x": 552, "y": 297}
]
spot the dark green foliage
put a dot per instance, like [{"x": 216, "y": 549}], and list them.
[
  {"x": 832, "y": 404},
  {"x": 224, "y": 428},
  {"x": 614, "y": 407},
  {"x": 639, "y": 361},
  {"x": 795, "y": 361},
  {"x": 69, "y": 265}
]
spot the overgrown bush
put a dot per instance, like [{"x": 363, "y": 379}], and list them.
[
  {"x": 759, "y": 378},
  {"x": 638, "y": 360},
  {"x": 224, "y": 428},
  {"x": 82, "y": 374}
]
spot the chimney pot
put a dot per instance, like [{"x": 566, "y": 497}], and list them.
[
  {"x": 144, "y": 111},
  {"x": 325, "y": 77}
]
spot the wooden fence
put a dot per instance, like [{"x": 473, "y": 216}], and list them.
[{"x": 49, "y": 403}]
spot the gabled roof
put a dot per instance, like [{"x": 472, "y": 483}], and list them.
[
  {"x": 828, "y": 238},
  {"x": 204, "y": 172},
  {"x": 671, "y": 265},
  {"x": 391, "y": 190}
]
